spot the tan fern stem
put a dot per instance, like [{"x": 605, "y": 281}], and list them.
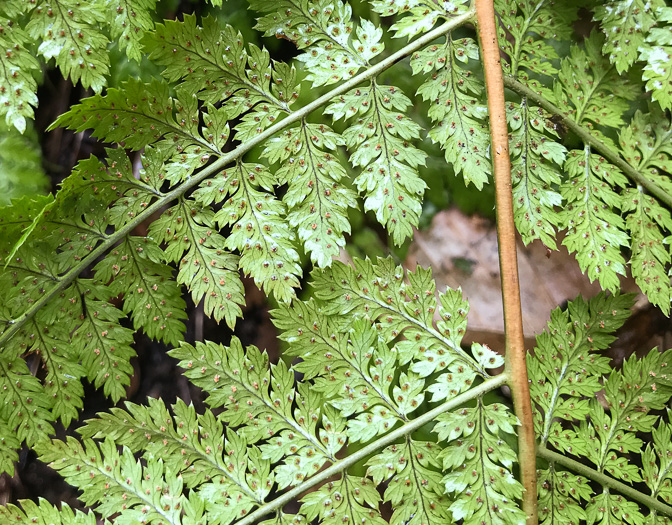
[{"x": 516, "y": 366}]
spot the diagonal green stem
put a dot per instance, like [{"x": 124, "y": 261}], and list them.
[
  {"x": 516, "y": 365},
  {"x": 16, "y": 324},
  {"x": 361, "y": 454},
  {"x": 605, "y": 481},
  {"x": 612, "y": 156}
]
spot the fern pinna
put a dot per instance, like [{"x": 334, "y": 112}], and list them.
[{"x": 382, "y": 415}]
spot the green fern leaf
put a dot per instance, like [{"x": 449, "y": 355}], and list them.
[
  {"x": 562, "y": 496},
  {"x": 565, "y": 368},
  {"x": 524, "y": 32},
  {"x": 645, "y": 144},
  {"x": 646, "y": 147},
  {"x": 630, "y": 394},
  {"x": 378, "y": 292},
  {"x": 15, "y": 219},
  {"x": 595, "y": 230},
  {"x": 102, "y": 344},
  {"x": 62, "y": 385},
  {"x": 649, "y": 254},
  {"x": 219, "y": 69},
  {"x": 625, "y": 24},
  {"x": 590, "y": 90},
  {"x": 68, "y": 32},
  {"x": 421, "y": 16},
  {"x": 260, "y": 231},
  {"x": 140, "y": 114},
  {"x": 325, "y": 30},
  {"x": 414, "y": 485},
  {"x": 264, "y": 404},
  {"x": 352, "y": 382},
  {"x": 192, "y": 446},
  {"x": 316, "y": 200},
  {"x": 128, "y": 21},
  {"x": 44, "y": 513},
  {"x": 136, "y": 269},
  {"x": 380, "y": 145},
  {"x": 117, "y": 483},
  {"x": 9, "y": 446},
  {"x": 607, "y": 508},
  {"x": 536, "y": 161},
  {"x": 345, "y": 499},
  {"x": 206, "y": 268},
  {"x": 656, "y": 465},
  {"x": 17, "y": 76},
  {"x": 479, "y": 477},
  {"x": 93, "y": 187},
  {"x": 657, "y": 56},
  {"x": 456, "y": 107},
  {"x": 25, "y": 409}
]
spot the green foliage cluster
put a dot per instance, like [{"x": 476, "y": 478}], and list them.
[{"x": 381, "y": 408}]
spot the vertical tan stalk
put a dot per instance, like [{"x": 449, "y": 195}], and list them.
[{"x": 513, "y": 322}]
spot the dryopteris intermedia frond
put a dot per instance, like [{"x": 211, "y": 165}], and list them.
[{"x": 382, "y": 406}]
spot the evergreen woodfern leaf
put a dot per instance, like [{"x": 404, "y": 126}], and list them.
[{"x": 376, "y": 411}]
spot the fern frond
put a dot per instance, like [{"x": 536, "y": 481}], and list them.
[
  {"x": 44, "y": 513},
  {"x": 420, "y": 17},
  {"x": 260, "y": 231},
  {"x": 102, "y": 344},
  {"x": 565, "y": 367},
  {"x": 326, "y": 32},
  {"x": 212, "y": 64},
  {"x": 647, "y": 148},
  {"x": 94, "y": 186},
  {"x": 562, "y": 496},
  {"x": 348, "y": 498},
  {"x": 140, "y": 114},
  {"x": 410, "y": 469},
  {"x": 378, "y": 292},
  {"x": 194, "y": 446},
  {"x": 264, "y": 404},
  {"x": 595, "y": 229},
  {"x": 17, "y": 75},
  {"x": 25, "y": 407},
  {"x": 586, "y": 408},
  {"x": 272, "y": 433},
  {"x": 129, "y": 20},
  {"x": 536, "y": 161},
  {"x": 479, "y": 464},
  {"x": 456, "y": 106},
  {"x": 68, "y": 31},
  {"x": 524, "y": 33},
  {"x": 630, "y": 395},
  {"x": 590, "y": 90},
  {"x": 136, "y": 269},
  {"x": 316, "y": 200},
  {"x": 625, "y": 25},
  {"x": 207, "y": 269},
  {"x": 117, "y": 483},
  {"x": 657, "y": 70},
  {"x": 657, "y": 464},
  {"x": 381, "y": 147},
  {"x": 9, "y": 445},
  {"x": 339, "y": 362}
]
